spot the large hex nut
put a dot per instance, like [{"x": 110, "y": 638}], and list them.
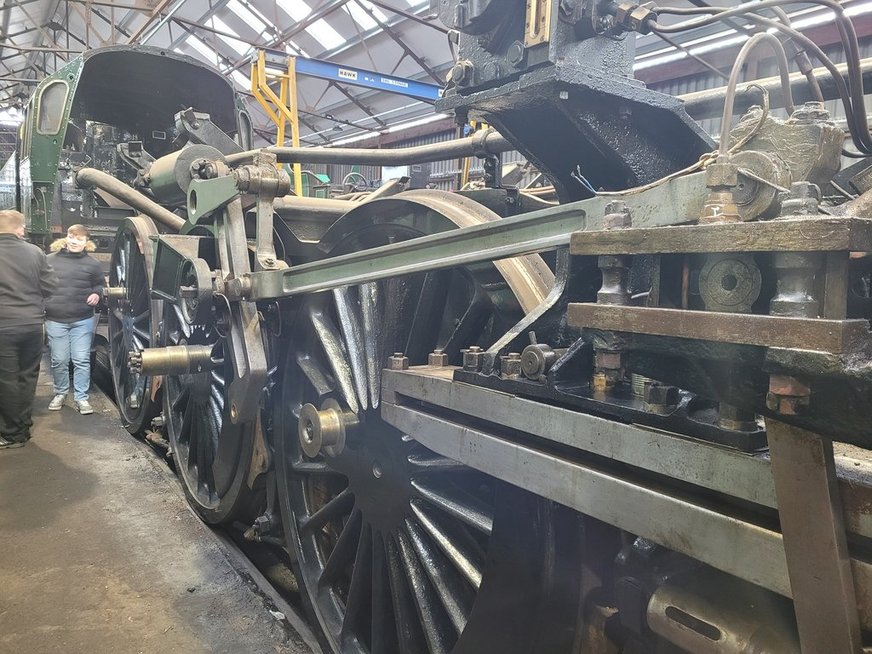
[
  {"x": 510, "y": 365},
  {"x": 473, "y": 357},
  {"x": 721, "y": 174},
  {"x": 437, "y": 359}
]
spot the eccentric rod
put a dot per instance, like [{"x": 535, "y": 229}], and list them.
[
  {"x": 90, "y": 177},
  {"x": 485, "y": 142}
]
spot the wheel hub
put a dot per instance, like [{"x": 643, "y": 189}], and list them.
[{"x": 374, "y": 460}]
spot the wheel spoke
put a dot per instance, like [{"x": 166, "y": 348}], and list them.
[
  {"x": 409, "y": 634},
  {"x": 428, "y": 314},
  {"x": 332, "y": 346},
  {"x": 459, "y": 505},
  {"x": 384, "y": 628},
  {"x": 217, "y": 399},
  {"x": 361, "y": 578},
  {"x": 317, "y": 376},
  {"x": 457, "y": 553},
  {"x": 343, "y": 552},
  {"x": 333, "y": 509},
  {"x": 399, "y": 305},
  {"x": 432, "y": 617},
  {"x": 422, "y": 464},
  {"x": 180, "y": 400},
  {"x": 369, "y": 309},
  {"x": 313, "y": 468},
  {"x": 455, "y": 596},
  {"x": 471, "y": 323},
  {"x": 347, "y": 312},
  {"x": 143, "y": 335}
]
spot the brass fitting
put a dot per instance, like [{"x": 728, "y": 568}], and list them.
[
  {"x": 116, "y": 293},
  {"x": 720, "y": 206},
  {"x": 172, "y": 360},
  {"x": 325, "y": 429}
]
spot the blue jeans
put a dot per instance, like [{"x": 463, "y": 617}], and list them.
[{"x": 71, "y": 341}]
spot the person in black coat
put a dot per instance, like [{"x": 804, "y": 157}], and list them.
[
  {"x": 26, "y": 279},
  {"x": 70, "y": 318}
]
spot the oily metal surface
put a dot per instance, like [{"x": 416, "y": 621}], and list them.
[
  {"x": 835, "y": 336},
  {"x": 792, "y": 235}
]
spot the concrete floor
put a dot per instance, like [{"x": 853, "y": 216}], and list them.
[{"x": 100, "y": 553}]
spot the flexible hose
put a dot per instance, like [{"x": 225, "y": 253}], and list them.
[
  {"x": 851, "y": 94},
  {"x": 730, "y": 96}
]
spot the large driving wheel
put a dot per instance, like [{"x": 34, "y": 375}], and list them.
[
  {"x": 133, "y": 320},
  {"x": 398, "y": 549},
  {"x": 212, "y": 455}
]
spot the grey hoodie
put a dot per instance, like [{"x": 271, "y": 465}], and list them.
[{"x": 26, "y": 279}]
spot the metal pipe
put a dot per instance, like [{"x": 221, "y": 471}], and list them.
[
  {"x": 291, "y": 207},
  {"x": 485, "y": 142},
  {"x": 91, "y": 177},
  {"x": 710, "y": 103}
]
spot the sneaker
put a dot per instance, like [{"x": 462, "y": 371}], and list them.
[
  {"x": 57, "y": 402},
  {"x": 6, "y": 444},
  {"x": 84, "y": 408}
]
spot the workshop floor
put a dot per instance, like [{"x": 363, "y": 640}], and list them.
[{"x": 100, "y": 553}]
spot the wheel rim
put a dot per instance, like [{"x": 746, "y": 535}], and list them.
[
  {"x": 385, "y": 515},
  {"x": 212, "y": 455},
  {"x": 133, "y": 320}
]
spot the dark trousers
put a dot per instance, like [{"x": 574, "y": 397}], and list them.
[{"x": 20, "y": 354}]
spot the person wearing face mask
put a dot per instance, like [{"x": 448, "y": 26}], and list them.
[
  {"x": 70, "y": 318},
  {"x": 26, "y": 280}
]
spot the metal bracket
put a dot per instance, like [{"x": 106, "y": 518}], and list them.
[
  {"x": 815, "y": 544},
  {"x": 199, "y": 128},
  {"x": 245, "y": 338},
  {"x": 208, "y": 195}
]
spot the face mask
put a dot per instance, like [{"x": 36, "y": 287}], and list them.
[{"x": 75, "y": 244}]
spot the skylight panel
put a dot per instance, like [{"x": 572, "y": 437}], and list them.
[
  {"x": 362, "y": 17},
  {"x": 250, "y": 19},
  {"x": 207, "y": 52},
  {"x": 296, "y": 9},
  {"x": 320, "y": 30},
  {"x": 325, "y": 35},
  {"x": 238, "y": 46},
  {"x": 293, "y": 49},
  {"x": 243, "y": 81}
]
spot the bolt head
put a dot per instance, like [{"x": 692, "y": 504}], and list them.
[
  {"x": 787, "y": 406},
  {"x": 607, "y": 360},
  {"x": 398, "y": 361},
  {"x": 510, "y": 366},
  {"x": 437, "y": 359},
  {"x": 787, "y": 385},
  {"x": 516, "y": 54},
  {"x": 461, "y": 73},
  {"x": 472, "y": 359},
  {"x": 661, "y": 395}
]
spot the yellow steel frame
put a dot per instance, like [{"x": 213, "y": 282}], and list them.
[
  {"x": 467, "y": 161},
  {"x": 281, "y": 108}
]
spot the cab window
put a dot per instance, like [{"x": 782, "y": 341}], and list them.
[{"x": 50, "y": 111}]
